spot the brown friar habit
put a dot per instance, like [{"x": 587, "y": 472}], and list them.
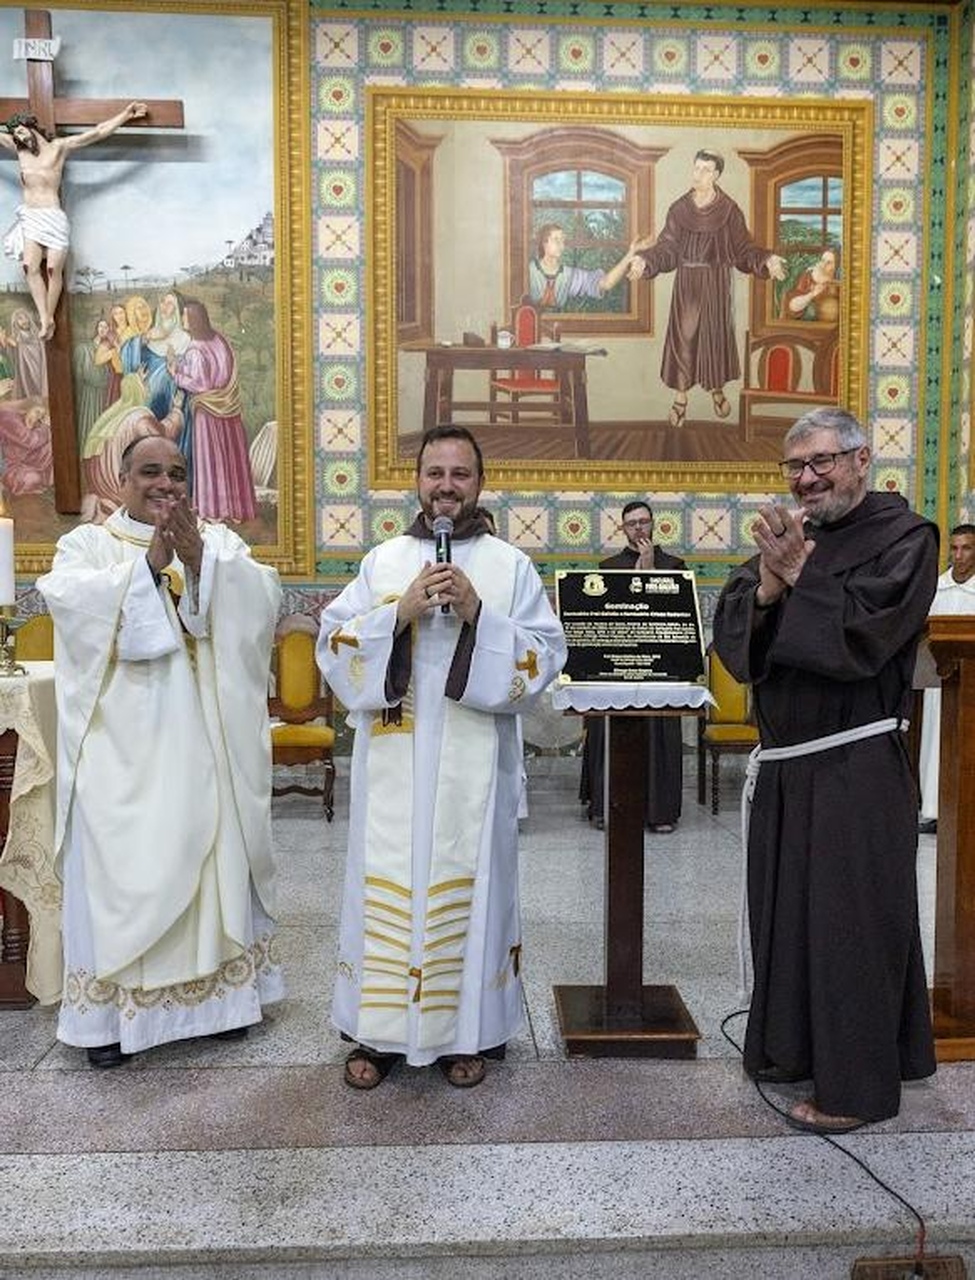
[
  {"x": 702, "y": 246},
  {"x": 839, "y": 992},
  {"x": 665, "y": 773}
]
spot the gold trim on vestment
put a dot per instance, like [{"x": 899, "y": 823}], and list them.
[
  {"x": 385, "y": 906},
  {"x": 444, "y": 942},
  {"x": 392, "y": 942},
  {"x": 377, "y": 882},
  {"x": 447, "y": 886},
  {"x": 373, "y": 963},
  {"x": 464, "y": 905},
  {"x": 135, "y": 539}
]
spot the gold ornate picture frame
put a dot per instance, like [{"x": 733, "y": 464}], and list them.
[
  {"x": 463, "y": 189},
  {"x": 240, "y": 170}
]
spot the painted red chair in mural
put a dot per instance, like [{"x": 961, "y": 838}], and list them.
[
  {"x": 784, "y": 375},
  {"x": 531, "y": 396}
]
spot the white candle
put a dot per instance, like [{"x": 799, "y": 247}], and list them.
[{"x": 7, "y": 594}]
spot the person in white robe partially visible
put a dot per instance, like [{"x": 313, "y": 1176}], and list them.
[
  {"x": 164, "y": 770},
  {"x": 955, "y": 594},
  {"x": 434, "y": 662}
]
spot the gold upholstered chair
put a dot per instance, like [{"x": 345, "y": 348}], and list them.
[
  {"x": 301, "y": 710},
  {"x": 727, "y": 727},
  {"x": 34, "y": 641}
]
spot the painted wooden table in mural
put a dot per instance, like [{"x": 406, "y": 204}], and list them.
[
  {"x": 624, "y": 1017},
  {"x": 526, "y": 387}
]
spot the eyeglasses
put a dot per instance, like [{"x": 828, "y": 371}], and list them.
[{"x": 820, "y": 464}]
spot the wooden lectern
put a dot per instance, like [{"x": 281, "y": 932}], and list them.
[
  {"x": 952, "y": 641},
  {"x": 624, "y": 1017}
]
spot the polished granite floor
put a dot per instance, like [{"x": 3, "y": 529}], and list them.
[{"x": 253, "y": 1160}]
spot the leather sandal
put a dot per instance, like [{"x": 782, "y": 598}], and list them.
[
  {"x": 807, "y": 1118},
  {"x": 381, "y": 1063},
  {"x": 721, "y": 406},
  {"x": 462, "y": 1070},
  {"x": 678, "y": 412}
]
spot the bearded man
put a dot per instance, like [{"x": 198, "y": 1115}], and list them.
[
  {"x": 824, "y": 623},
  {"x": 435, "y": 661}
]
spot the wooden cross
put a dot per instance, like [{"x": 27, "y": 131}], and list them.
[{"x": 51, "y": 111}]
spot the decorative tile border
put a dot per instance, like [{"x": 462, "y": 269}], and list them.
[{"x": 901, "y": 61}]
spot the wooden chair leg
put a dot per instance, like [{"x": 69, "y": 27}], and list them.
[
  {"x": 702, "y": 772},
  {"x": 715, "y": 782},
  {"x": 328, "y": 790}
]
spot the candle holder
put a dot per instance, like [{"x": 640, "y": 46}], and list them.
[{"x": 9, "y": 625}]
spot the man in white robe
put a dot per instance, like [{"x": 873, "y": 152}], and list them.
[
  {"x": 955, "y": 594},
  {"x": 434, "y": 661},
  {"x": 164, "y": 770}
]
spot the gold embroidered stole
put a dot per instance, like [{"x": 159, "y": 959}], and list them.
[{"x": 394, "y": 978}]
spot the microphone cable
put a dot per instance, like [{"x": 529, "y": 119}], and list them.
[{"x": 922, "y": 1229}]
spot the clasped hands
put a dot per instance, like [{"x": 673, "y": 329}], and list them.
[
  {"x": 783, "y": 550},
  {"x": 436, "y": 585},
  {"x": 644, "y": 547},
  {"x": 176, "y": 533}
]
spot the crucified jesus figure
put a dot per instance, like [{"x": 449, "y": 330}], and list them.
[{"x": 40, "y": 235}]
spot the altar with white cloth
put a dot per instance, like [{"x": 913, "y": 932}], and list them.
[
  {"x": 624, "y": 1017},
  {"x": 30, "y": 940}
]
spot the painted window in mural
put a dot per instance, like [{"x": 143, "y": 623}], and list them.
[
  {"x": 414, "y": 234},
  {"x": 799, "y": 207},
  {"x": 570, "y": 224},
  {"x": 580, "y": 226},
  {"x": 809, "y": 218}
]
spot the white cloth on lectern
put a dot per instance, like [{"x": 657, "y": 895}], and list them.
[{"x": 951, "y": 598}]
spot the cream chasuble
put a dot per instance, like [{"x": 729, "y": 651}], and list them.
[
  {"x": 163, "y": 748},
  {"x": 430, "y": 948}
]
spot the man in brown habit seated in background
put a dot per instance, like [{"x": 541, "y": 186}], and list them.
[{"x": 665, "y": 772}]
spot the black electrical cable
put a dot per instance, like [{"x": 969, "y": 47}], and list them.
[{"x": 922, "y": 1229}]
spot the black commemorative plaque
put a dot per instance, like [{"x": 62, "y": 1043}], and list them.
[{"x": 629, "y": 625}]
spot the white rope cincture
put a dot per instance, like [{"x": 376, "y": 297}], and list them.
[{"x": 755, "y": 760}]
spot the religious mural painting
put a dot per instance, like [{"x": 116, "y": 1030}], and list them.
[
  {"x": 184, "y": 279},
  {"x": 538, "y": 277}
]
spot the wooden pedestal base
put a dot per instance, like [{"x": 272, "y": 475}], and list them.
[
  {"x": 662, "y": 1029},
  {"x": 13, "y": 993},
  {"x": 14, "y": 920},
  {"x": 954, "y": 1037}
]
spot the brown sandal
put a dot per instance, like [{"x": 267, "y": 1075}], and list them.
[
  {"x": 677, "y": 414},
  {"x": 381, "y": 1063},
  {"x": 466, "y": 1062},
  {"x": 807, "y": 1118}
]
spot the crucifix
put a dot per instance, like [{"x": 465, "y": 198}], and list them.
[{"x": 51, "y": 111}]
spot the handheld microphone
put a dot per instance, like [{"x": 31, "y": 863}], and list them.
[{"x": 443, "y": 527}]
